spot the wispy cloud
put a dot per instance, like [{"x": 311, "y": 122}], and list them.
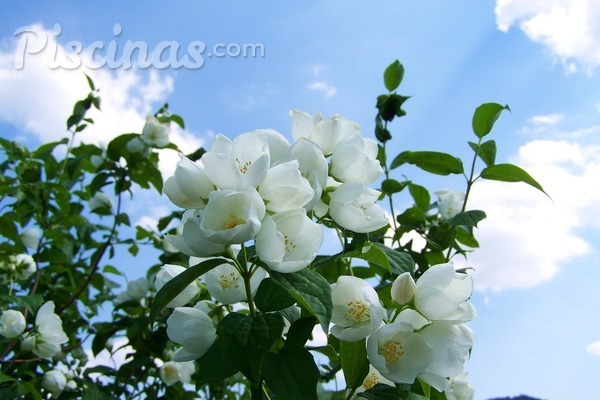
[
  {"x": 322, "y": 86},
  {"x": 594, "y": 348},
  {"x": 319, "y": 84},
  {"x": 567, "y": 28}
]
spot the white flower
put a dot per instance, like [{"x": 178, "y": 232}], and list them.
[
  {"x": 194, "y": 240},
  {"x": 24, "y": 266},
  {"x": 168, "y": 272},
  {"x": 154, "y": 133},
  {"x": 288, "y": 241},
  {"x": 55, "y": 382},
  {"x": 48, "y": 336},
  {"x": 193, "y": 329},
  {"x": 403, "y": 289},
  {"x": 233, "y": 216},
  {"x": 451, "y": 345},
  {"x": 357, "y": 311},
  {"x": 189, "y": 187},
  {"x": 459, "y": 388},
  {"x": 172, "y": 372},
  {"x": 100, "y": 200},
  {"x": 399, "y": 353},
  {"x": 312, "y": 165},
  {"x": 137, "y": 289},
  {"x": 30, "y": 238},
  {"x": 284, "y": 188},
  {"x": 373, "y": 378},
  {"x": 12, "y": 324},
  {"x": 353, "y": 207},
  {"x": 239, "y": 164},
  {"x": 277, "y": 144},
  {"x": 354, "y": 159},
  {"x": 450, "y": 202},
  {"x": 327, "y": 133},
  {"x": 226, "y": 285},
  {"x": 441, "y": 294}
]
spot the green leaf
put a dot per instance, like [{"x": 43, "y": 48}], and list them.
[
  {"x": 400, "y": 261},
  {"x": 291, "y": 373},
  {"x": 392, "y": 77},
  {"x": 9, "y": 230},
  {"x": 90, "y": 82},
  {"x": 354, "y": 362},
  {"x": 245, "y": 340},
  {"x": 118, "y": 146},
  {"x": 31, "y": 303},
  {"x": 372, "y": 253},
  {"x": 466, "y": 238},
  {"x": 420, "y": 195},
  {"x": 468, "y": 218},
  {"x": 380, "y": 392},
  {"x": 178, "y": 120},
  {"x": 272, "y": 297},
  {"x": 213, "y": 366},
  {"x": 5, "y": 378},
  {"x": 385, "y": 392},
  {"x": 486, "y": 151},
  {"x": 391, "y": 186},
  {"x": 312, "y": 292},
  {"x": 485, "y": 116},
  {"x": 180, "y": 282},
  {"x": 430, "y": 161},
  {"x": 510, "y": 173},
  {"x": 412, "y": 216},
  {"x": 300, "y": 331}
]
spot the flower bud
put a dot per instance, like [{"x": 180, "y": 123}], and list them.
[
  {"x": 24, "y": 266},
  {"x": 12, "y": 324},
  {"x": 154, "y": 133},
  {"x": 100, "y": 200},
  {"x": 403, "y": 289},
  {"x": 54, "y": 381},
  {"x": 30, "y": 238}
]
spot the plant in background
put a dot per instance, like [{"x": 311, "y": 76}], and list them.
[{"x": 240, "y": 287}]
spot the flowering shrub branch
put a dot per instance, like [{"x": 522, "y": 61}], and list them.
[{"x": 240, "y": 293}]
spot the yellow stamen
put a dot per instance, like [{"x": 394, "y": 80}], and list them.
[
  {"x": 370, "y": 381},
  {"x": 228, "y": 281},
  {"x": 358, "y": 310},
  {"x": 392, "y": 351},
  {"x": 233, "y": 221}
]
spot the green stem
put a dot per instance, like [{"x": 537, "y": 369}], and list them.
[
  {"x": 247, "y": 275},
  {"x": 386, "y": 171},
  {"x": 470, "y": 182},
  {"x": 351, "y": 393}
]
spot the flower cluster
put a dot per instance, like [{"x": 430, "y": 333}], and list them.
[
  {"x": 260, "y": 187},
  {"x": 426, "y": 336}
]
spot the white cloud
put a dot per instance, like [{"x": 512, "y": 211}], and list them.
[
  {"x": 526, "y": 236},
  {"x": 322, "y": 86},
  {"x": 546, "y": 120},
  {"x": 594, "y": 348},
  {"x": 568, "y": 28},
  {"x": 319, "y": 84},
  {"x": 38, "y": 99}
]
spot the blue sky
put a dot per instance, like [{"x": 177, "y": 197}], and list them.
[{"x": 538, "y": 272}]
